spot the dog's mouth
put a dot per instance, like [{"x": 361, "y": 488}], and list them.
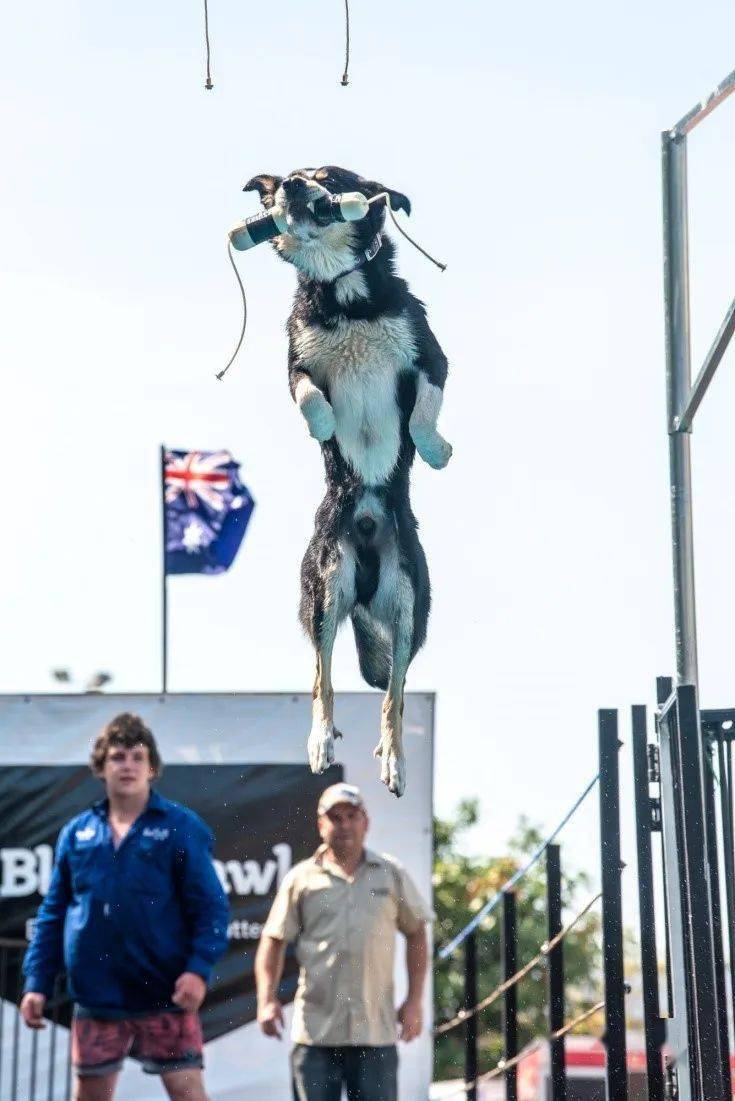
[
  {"x": 301, "y": 220},
  {"x": 298, "y": 195}
]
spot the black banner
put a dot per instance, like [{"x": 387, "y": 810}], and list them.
[{"x": 263, "y": 818}]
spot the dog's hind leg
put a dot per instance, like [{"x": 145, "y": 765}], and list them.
[
  {"x": 390, "y": 746},
  {"x": 327, "y": 597},
  {"x": 402, "y": 605}
]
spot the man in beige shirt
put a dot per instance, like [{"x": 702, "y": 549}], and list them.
[{"x": 342, "y": 907}]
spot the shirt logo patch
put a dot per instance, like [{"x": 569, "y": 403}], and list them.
[
  {"x": 85, "y": 834},
  {"x": 156, "y": 832}
]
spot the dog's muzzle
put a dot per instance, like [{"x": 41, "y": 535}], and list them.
[{"x": 295, "y": 189}]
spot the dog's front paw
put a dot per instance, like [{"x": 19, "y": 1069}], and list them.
[
  {"x": 320, "y": 746},
  {"x": 319, "y": 416},
  {"x": 433, "y": 448}
]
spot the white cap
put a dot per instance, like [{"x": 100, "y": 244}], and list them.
[{"x": 340, "y": 793}]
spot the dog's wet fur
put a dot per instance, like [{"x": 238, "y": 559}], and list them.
[{"x": 367, "y": 374}]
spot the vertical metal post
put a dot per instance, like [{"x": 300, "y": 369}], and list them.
[
  {"x": 678, "y": 380},
  {"x": 719, "y": 957},
  {"x": 556, "y": 973},
  {"x": 56, "y": 998},
  {"x": 728, "y": 853},
  {"x": 653, "y": 1025},
  {"x": 664, "y": 688},
  {"x": 16, "y": 1039},
  {"x": 699, "y": 902},
  {"x": 680, "y": 1038},
  {"x": 510, "y": 966},
  {"x": 34, "y": 1066},
  {"x": 67, "y": 1089},
  {"x": 470, "y": 1025},
  {"x": 612, "y": 908},
  {"x": 164, "y": 579}
]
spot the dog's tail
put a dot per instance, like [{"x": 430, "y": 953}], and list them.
[{"x": 373, "y": 649}]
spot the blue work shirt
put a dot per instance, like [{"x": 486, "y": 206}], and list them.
[{"x": 125, "y": 922}]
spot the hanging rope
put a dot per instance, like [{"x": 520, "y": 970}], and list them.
[
  {"x": 208, "y": 84},
  {"x": 345, "y": 77}
]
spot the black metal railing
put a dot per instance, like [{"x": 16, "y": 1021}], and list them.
[
  {"x": 35, "y": 1064},
  {"x": 551, "y": 954},
  {"x": 684, "y": 815}
]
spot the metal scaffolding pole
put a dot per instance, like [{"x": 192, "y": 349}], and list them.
[{"x": 678, "y": 379}]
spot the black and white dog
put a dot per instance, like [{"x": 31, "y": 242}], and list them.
[{"x": 367, "y": 374}]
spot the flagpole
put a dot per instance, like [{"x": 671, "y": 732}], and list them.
[{"x": 164, "y": 590}]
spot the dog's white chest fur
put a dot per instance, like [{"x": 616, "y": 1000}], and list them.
[{"x": 358, "y": 362}]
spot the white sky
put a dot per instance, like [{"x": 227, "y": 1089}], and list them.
[{"x": 527, "y": 137}]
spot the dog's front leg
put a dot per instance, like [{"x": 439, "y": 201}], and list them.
[
  {"x": 430, "y": 444},
  {"x": 315, "y": 409}
]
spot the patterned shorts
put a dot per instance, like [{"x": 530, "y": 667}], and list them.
[{"x": 163, "y": 1042}]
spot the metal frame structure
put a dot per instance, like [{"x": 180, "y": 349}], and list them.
[
  {"x": 696, "y": 1044},
  {"x": 696, "y": 1037},
  {"x": 699, "y": 1060},
  {"x": 510, "y": 998},
  {"x": 29, "y": 1067},
  {"x": 552, "y": 951},
  {"x": 648, "y": 823},
  {"x": 555, "y": 973},
  {"x": 687, "y": 1047},
  {"x": 683, "y": 398},
  {"x": 470, "y": 1025},
  {"x": 612, "y": 907}
]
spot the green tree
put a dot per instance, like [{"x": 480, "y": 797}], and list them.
[{"x": 462, "y": 884}]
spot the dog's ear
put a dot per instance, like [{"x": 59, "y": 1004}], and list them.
[
  {"x": 398, "y": 200},
  {"x": 266, "y": 186}
]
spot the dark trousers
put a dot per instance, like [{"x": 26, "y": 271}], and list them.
[{"x": 367, "y": 1073}]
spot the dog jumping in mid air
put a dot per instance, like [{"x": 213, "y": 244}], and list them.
[{"x": 367, "y": 374}]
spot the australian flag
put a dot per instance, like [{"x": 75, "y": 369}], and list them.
[{"x": 207, "y": 509}]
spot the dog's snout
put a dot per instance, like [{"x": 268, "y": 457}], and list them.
[{"x": 366, "y": 526}]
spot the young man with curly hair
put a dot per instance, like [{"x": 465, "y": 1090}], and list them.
[{"x": 137, "y": 917}]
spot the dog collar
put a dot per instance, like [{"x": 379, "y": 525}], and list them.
[{"x": 365, "y": 256}]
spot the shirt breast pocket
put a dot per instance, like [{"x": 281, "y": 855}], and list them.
[
  {"x": 381, "y": 904},
  {"x": 149, "y": 872}
]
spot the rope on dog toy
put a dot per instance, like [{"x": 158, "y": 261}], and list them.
[
  {"x": 208, "y": 83},
  {"x": 221, "y": 374},
  {"x": 386, "y": 196},
  {"x": 345, "y": 77}
]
